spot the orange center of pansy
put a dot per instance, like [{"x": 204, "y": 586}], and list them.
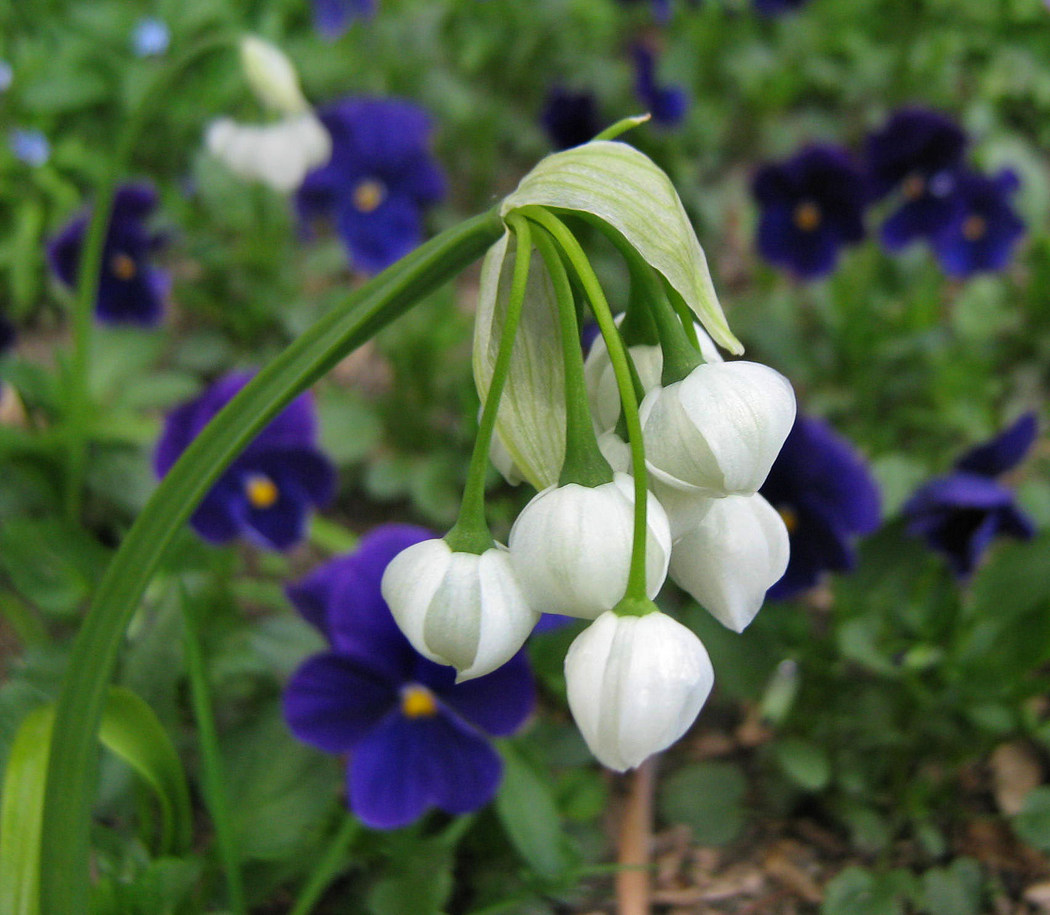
[
  {"x": 261, "y": 490},
  {"x": 368, "y": 194},
  {"x": 123, "y": 266},
  {"x": 418, "y": 701},
  {"x": 807, "y": 216},
  {"x": 913, "y": 187},
  {"x": 974, "y": 228}
]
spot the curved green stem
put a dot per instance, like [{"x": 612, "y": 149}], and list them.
[
  {"x": 328, "y": 867},
  {"x": 71, "y": 771},
  {"x": 577, "y": 259}
]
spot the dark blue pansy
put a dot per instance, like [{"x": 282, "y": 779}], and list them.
[
  {"x": 661, "y": 8},
  {"x": 131, "y": 290},
  {"x": 333, "y": 17},
  {"x": 983, "y": 228},
  {"x": 776, "y": 7},
  {"x": 826, "y": 496},
  {"x": 812, "y": 204},
  {"x": 266, "y": 494},
  {"x": 667, "y": 104},
  {"x": 570, "y": 118},
  {"x": 7, "y": 335},
  {"x": 960, "y": 514},
  {"x": 415, "y": 738},
  {"x": 918, "y": 153},
  {"x": 378, "y": 180}
]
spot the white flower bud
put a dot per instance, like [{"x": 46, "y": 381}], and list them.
[
  {"x": 635, "y": 684},
  {"x": 719, "y": 429},
  {"x": 728, "y": 562},
  {"x": 571, "y": 547},
  {"x": 272, "y": 76},
  {"x": 462, "y": 609},
  {"x": 279, "y": 154}
]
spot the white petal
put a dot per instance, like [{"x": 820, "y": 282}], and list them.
[
  {"x": 279, "y": 154},
  {"x": 410, "y": 581},
  {"x": 271, "y": 75}
]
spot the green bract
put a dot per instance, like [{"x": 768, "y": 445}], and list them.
[{"x": 625, "y": 189}]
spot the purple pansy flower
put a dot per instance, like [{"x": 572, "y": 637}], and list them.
[
  {"x": 667, "y": 104},
  {"x": 266, "y": 493},
  {"x": 661, "y": 9},
  {"x": 826, "y": 496},
  {"x": 7, "y": 335},
  {"x": 378, "y": 180},
  {"x": 919, "y": 152},
  {"x": 415, "y": 738},
  {"x": 776, "y": 7},
  {"x": 983, "y": 228},
  {"x": 812, "y": 204},
  {"x": 570, "y": 118},
  {"x": 130, "y": 290},
  {"x": 333, "y": 17},
  {"x": 961, "y": 513}
]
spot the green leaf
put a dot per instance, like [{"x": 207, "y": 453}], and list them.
[
  {"x": 1033, "y": 822},
  {"x": 529, "y": 815},
  {"x": 350, "y": 428},
  {"x": 856, "y": 891},
  {"x": 707, "y": 796},
  {"x": 418, "y": 884},
  {"x": 953, "y": 890},
  {"x": 804, "y": 762}
]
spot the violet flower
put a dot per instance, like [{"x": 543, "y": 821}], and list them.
[
  {"x": 131, "y": 290},
  {"x": 333, "y": 17},
  {"x": 267, "y": 492},
  {"x": 378, "y": 180},
  {"x": 960, "y": 514},
  {"x": 667, "y": 104},
  {"x": 826, "y": 496},
  {"x": 777, "y": 7},
  {"x": 569, "y": 117},
  {"x": 812, "y": 204},
  {"x": 415, "y": 739}
]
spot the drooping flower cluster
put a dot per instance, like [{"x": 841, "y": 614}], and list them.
[
  {"x": 267, "y": 492},
  {"x": 612, "y": 518},
  {"x": 814, "y": 203}
]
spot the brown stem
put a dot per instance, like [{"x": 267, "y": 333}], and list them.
[{"x": 632, "y": 880}]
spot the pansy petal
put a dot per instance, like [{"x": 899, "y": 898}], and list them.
[
  {"x": 214, "y": 519},
  {"x": 498, "y": 702},
  {"x": 281, "y": 525},
  {"x": 378, "y": 238},
  {"x": 1002, "y": 453}
]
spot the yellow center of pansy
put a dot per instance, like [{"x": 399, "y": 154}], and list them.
[
  {"x": 369, "y": 194},
  {"x": 974, "y": 228},
  {"x": 913, "y": 186},
  {"x": 262, "y": 492},
  {"x": 123, "y": 266},
  {"x": 418, "y": 701},
  {"x": 789, "y": 518},
  {"x": 807, "y": 216}
]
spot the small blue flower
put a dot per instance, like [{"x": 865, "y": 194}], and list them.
[
  {"x": 826, "y": 496},
  {"x": 667, "y": 104},
  {"x": 960, "y": 514},
  {"x": 378, "y": 180},
  {"x": 150, "y": 38},
  {"x": 918, "y": 153},
  {"x": 333, "y": 17},
  {"x": 777, "y": 7},
  {"x": 570, "y": 118},
  {"x": 30, "y": 147},
  {"x": 812, "y": 204},
  {"x": 7, "y": 75},
  {"x": 267, "y": 492},
  {"x": 983, "y": 228},
  {"x": 415, "y": 738},
  {"x": 130, "y": 291}
]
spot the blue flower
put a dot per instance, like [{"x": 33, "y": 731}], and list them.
[
  {"x": 812, "y": 204},
  {"x": 826, "y": 496},
  {"x": 130, "y": 291},
  {"x": 266, "y": 493},
  {"x": 333, "y": 17},
  {"x": 415, "y": 738},
  {"x": 667, "y": 104},
  {"x": 150, "y": 38},
  {"x": 661, "y": 9},
  {"x": 776, "y": 7},
  {"x": 918, "y": 152},
  {"x": 983, "y": 228},
  {"x": 30, "y": 147},
  {"x": 570, "y": 118},
  {"x": 378, "y": 180},
  {"x": 961, "y": 513}
]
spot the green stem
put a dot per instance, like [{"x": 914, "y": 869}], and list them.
[
  {"x": 622, "y": 126},
  {"x": 72, "y": 766},
  {"x": 328, "y": 868},
  {"x": 471, "y": 532},
  {"x": 78, "y": 416},
  {"x": 584, "y": 462},
  {"x": 211, "y": 760},
  {"x": 621, "y": 369}
]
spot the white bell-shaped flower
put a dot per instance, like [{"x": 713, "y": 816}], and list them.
[
  {"x": 732, "y": 557},
  {"x": 272, "y": 76},
  {"x": 719, "y": 429},
  {"x": 462, "y": 609},
  {"x": 571, "y": 547},
  {"x": 278, "y": 154},
  {"x": 635, "y": 684}
]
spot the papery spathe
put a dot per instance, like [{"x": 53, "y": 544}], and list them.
[
  {"x": 719, "y": 429},
  {"x": 635, "y": 685},
  {"x": 571, "y": 547},
  {"x": 462, "y": 609},
  {"x": 728, "y": 562},
  {"x": 272, "y": 76}
]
